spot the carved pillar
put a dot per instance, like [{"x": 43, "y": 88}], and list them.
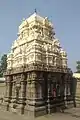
[
  {"x": 18, "y": 88},
  {"x": 8, "y": 90},
  {"x": 35, "y": 101},
  {"x": 62, "y": 88},
  {"x": 13, "y": 104},
  {"x": 14, "y": 89},
  {"x": 50, "y": 87},
  {"x": 70, "y": 96},
  {"x": 28, "y": 86},
  {"x": 66, "y": 90},
  {"x": 62, "y": 85},
  {"x": 39, "y": 86},
  {"x": 23, "y": 92},
  {"x": 40, "y": 102},
  {"x": 30, "y": 93}
]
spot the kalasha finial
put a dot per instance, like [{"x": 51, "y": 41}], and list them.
[{"x": 35, "y": 10}]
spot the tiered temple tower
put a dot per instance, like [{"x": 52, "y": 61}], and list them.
[{"x": 37, "y": 73}]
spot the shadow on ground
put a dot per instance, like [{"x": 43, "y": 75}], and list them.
[{"x": 75, "y": 112}]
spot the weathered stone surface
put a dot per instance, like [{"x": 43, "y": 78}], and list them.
[{"x": 37, "y": 72}]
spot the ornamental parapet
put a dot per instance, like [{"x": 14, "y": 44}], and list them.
[{"x": 37, "y": 67}]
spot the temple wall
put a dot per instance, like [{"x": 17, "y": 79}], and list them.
[
  {"x": 77, "y": 88},
  {"x": 2, "y": 89},
  {"x": 36, "y": 93}
]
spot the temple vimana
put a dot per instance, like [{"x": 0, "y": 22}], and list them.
[{"x": 38, "y": 80}]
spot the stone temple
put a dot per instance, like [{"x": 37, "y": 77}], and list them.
[{"x": 38, "y": 80}]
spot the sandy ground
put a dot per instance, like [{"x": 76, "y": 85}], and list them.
[{"x": 69, "y": 114}]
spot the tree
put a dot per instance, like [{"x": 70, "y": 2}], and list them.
[
  {"x": 3, "y": 64},
  {"x": 78, "y": 66}
]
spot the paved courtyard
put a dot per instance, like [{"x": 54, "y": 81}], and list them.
[{"x": 70, "y": 114}]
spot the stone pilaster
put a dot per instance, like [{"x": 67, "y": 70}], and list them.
[
  {"x": 52, "y": 92},
  {"x": 35, "y": 102},
  {"x": 13, "y": 103},
  {"x": 30, "y": 94},
  {"x": 49, "y": 94},
  {"x": 8, "y": 92},
  {"x": 14, "y": 89},
  {"x": 62, "y": 88},
  {"x": 23, "y": 93},
  {"x": 40, "y": 103}
]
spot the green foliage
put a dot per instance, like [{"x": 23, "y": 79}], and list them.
[
  {"x": 78, "y": 66},
  {"x": 3, "y": 64},
  {"x": 1, "y": 75}
]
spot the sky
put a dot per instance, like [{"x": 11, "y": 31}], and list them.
[{"x": 64, "y": 14}]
